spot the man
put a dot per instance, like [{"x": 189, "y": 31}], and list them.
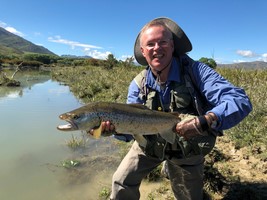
[{"x": 174, "y": 82}]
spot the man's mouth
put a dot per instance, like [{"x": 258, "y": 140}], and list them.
[{"x": 158, "y": 56}]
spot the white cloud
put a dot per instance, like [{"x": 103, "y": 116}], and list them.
[
  {"x": 264, "y": 57},
  {"x": 246, "y": 53},
  {"x": 97, "y": 54},
  {"x": 239, "y": 61},
  {"x": 73, "y": 44},
  {"x": 14, "y": 31},
  {"x": 88, "y": 49},
  {"x": 11, "y": 29},
  {"x": 250, "y": 56}
]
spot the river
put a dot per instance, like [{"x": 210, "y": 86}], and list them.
[{"x": 32, "y": 150}]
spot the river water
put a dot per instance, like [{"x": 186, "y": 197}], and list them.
[{"x": 32, "y": 150}]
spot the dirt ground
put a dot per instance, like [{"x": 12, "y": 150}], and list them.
[{"x": 229, "y": 174}]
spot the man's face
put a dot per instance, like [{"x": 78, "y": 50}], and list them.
[{"x": 157, "y": 47}]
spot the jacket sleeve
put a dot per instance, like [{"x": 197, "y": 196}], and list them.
[
  {"x": 133, "y": 93},
  {"x": 230, "y": 103}
]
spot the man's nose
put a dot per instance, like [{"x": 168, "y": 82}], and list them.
[{"x": 157, "y": 45}]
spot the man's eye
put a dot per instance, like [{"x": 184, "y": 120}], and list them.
[
  {"x": 163, "y": 43},
  {"x": 150, "y": 44}
]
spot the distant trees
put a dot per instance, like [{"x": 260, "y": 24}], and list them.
[
  {"x": 111, "y": 61},
  {"x": 43, "y": 58},
  {"x": 208, "y": 61},
  {"x": 128, "y": 62},
  {"x": 36, "y": 60}
]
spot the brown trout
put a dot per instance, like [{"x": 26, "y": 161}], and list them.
[{"x": 133, "y": 119}]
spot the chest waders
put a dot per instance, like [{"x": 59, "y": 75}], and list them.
[{"x": 184, "y": 99}]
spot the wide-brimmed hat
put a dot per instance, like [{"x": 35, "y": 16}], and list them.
[{"x": 182, "y": 44}]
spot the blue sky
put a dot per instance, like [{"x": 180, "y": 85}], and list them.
[{"x": 227, "y": 30}]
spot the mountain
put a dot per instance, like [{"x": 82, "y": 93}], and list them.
[
  {"x": 11, "y": 43},
  {"x": 246, "y": 65},
  {"x": 74, "y": 56}
]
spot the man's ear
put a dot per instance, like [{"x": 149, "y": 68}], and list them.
[{"x": 143, "y": 52}]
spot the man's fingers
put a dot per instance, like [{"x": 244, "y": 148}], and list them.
[
  {"x": 188, "y": 128},
  {"x": 105, "y": 127}
]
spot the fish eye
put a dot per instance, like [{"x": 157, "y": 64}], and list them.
[{"x": 75, "y": 117}]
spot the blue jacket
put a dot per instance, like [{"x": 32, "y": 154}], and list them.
[{"x": 230, "y": 104}]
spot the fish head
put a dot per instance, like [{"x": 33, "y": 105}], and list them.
[{"x": 79, "y": 121}]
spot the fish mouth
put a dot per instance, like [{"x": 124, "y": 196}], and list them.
[{"x": 71, "y": 126}]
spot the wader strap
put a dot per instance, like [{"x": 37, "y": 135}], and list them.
[
  {"x": 140, "y": 80},
  {"x": 172, "y": 103}
]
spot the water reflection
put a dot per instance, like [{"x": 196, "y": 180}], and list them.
[
  {"x": 31, "y": 148},
  {"x": 27, "y": 79}
]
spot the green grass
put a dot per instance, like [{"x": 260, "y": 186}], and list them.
[
  {"x": 251, "y": 131},
  {"x": 76, "y": 143},
  {"x": 104, "y": 193},
  {"x": 91, "y": 83}
]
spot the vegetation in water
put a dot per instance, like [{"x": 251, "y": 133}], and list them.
[
  {"x": 69, "y": 164},
  {"x": 75, "y": 142}
]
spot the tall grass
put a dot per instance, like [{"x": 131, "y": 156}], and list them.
[
  {"x": 92, "y": 83},
  {"x": 251, "y": 132}
]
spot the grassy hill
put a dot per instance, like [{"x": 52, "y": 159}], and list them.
[
  {"x": 4, "y": 50},
  {"x": 13, "y": 44},
  {"x": 246, "y": 65}
]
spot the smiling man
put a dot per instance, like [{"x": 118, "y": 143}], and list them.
[{"x": 173, "y": 82}]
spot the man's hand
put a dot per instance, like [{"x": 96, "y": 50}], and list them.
[
  {"x": 107, "y": 129},
  {"x": 195, "y": 126},
  {"x": 189, "y": 128}
]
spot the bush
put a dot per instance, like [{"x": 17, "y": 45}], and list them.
[
  {"x": 43, "y": 58},
  {"x": 208, "y": 61}
]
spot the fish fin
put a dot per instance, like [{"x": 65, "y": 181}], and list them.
[
  {"x": 169, "y": 136},
  {"x": 140, "y": 106},
  {"x": 176, "y": 114},
  {"x": 97, "y": 132},
  {"x": 140, "y": 139}
]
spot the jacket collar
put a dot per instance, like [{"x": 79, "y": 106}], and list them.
[{"x": 174, "y": 75}]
